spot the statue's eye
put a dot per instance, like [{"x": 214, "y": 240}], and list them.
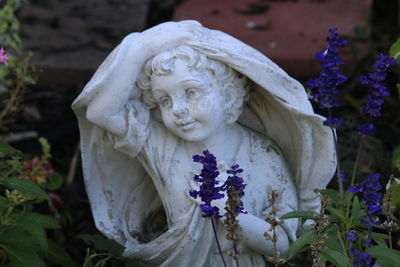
[
  {"x": 165, "y": 101},
  {"x": 192, "y": 92}
]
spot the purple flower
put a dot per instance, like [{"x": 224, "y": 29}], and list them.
[
  {"x": 234, "y": 185},
  {"x": 209, "y": 190},
  {"x": 377, "y": 90},
  {"x": 368, "y": 128},
  {"x": 373, "y": 201},
  {"x": 352, "y": 236},
  {"x": 341, "y": 176},
  {"x": 324, "y": 88},
  {"x": 361, "y": 259}
]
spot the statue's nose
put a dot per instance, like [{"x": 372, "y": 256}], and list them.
[{"x": 179, "y": 108}]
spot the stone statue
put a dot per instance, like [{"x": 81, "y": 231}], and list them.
[{"x": 171, "y": 92}]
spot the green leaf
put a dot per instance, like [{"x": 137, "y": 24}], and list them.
[
  {"x": 332, "y": 242},
  {"x": 305, "y": 239},
  {"x": 395, "y": 49},
  {"x": 101, "y": 243},
  {"x": 22, "y": 258},
  {"x": 45, "y": 221},
  {"x": 4, "y": 204},
  {"x": 28, "y": 188},
  {"x": 333, "y": 194},
  {"x": 6, "y": 149},
  {"x": 347, "y": 196},
  {"x": 34, "y": 229},
  {"x": 356, "y": 212},
  {"x": 303, "y": 214},
  {"x": 336, "y": 257},
  {"x": 380, "y": 239},
  {"x": 54, "y": 182},
  {"x": 336, "y": 212},
  {"x": 396, "y": 158},
  {"x": 57, "y": 255},
  {"x": 385, "y": 254},
  {"x": 396, "y": 195},
  {"x": 16, "y": 237}
]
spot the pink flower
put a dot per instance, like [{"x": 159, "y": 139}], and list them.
[{"x": 3, "y": 57}]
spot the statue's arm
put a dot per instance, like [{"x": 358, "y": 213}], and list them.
[{"x": 106, "y": 109}]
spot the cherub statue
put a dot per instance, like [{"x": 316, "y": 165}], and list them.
[{"x": 171, "y": 92}]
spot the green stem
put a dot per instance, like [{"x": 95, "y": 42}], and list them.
[
  {"x": 353, "y": 176},
  {"x": 217, "y": 241},
  {"x": 338, "y": 163},
  {"x": 359, "y": 150},
  {"x": 341, "y": 241},
  {"x": 236, "y": 253}
]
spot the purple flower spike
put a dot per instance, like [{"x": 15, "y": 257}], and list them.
[
  {"x": 324, "y": 88},
  {"x": 377, "y": 90},
  {"x": 366, "y": 129},
  {"x": 209, "y": 190},
  {"x": 361, "y": 259},
  {"x": 373, "y": 200}
]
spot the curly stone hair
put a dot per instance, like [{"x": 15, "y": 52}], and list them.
[{"x": 163, "y": 64}]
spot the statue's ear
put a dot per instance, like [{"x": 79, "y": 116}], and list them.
[
  {"x": 230, "y": 95},
  {"x": 230, "y": 98}
]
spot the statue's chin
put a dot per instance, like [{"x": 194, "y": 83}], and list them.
[{"x": 193, "y": 135}]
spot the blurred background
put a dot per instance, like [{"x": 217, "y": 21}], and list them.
[{"x": 69, "y": 40}]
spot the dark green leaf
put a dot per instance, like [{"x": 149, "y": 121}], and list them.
[
  {"x": 332, "y": 241},
  {"x": 16, "y": 237},
  {"x": 336, "y": 212},
  {"x": 4, "y": 204},
  {"x": 54, "y": 182},
  {"x": 22, "y": 258},
  {"x": 303, "y": 214},
  {"x": 7, "y": 150},
  {"x": 57, "y": 255},
  {"x": 380, "y": 239},
  {"x": 396, "y": 158},
  {"x": 28, "y": 188},
  {"x": 356, "y": 212},
  {"x": 34, "y": 229},
  {"x": 333, "y": 194},
  {"x": 385, "y": 254},
  {"x": 45, "y": 221},
  {"x": 347, "y": 196},
  {"x": 305, "y": 239},
  {"x": 336, "y": 257},
  {"x": 102, "y": 243},
  {"x": 375, "y": 235}
]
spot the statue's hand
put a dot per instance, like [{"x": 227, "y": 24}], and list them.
[{"x": 220, "y": 204}]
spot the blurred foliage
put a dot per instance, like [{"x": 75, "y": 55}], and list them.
[
  {"x": 18, "y": 74},
  {"x": 27, "y": 211}
]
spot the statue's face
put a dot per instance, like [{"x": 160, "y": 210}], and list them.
[{"x": 191, "y": 102}]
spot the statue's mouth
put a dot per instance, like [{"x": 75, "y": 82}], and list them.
[{"x": 186, "y": 125}]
